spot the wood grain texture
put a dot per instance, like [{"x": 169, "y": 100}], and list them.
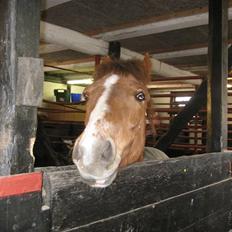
[
  {"x": 152, "y": 188},
  {"x": 217, "y": 78},
  {"x": 30, "y": 80},
  {"x": 21, "y": 213},
  {"x": 19, "y": 36}
]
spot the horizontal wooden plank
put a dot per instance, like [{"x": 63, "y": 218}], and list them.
[
  {"x": 77, "y": 41},
  {"x": 73, "y": 203},
  {"x": 56, "y": 168},
  {"x": 219, "y": 221},
  {"x": 20, "y": 184},
  {"x": 171, "y": 24},
  {"x": 174, "y": 214},
  {"x": 21, "y": 213},
  {"x": 181, "y": 53},
  {"x": 46, "y": 4}
]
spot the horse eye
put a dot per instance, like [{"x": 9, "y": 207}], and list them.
[
  {"x": 140, "y": 96},
  {"x": 84, "y": 97}
]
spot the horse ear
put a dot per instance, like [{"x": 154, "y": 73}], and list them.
[
  {"x": 99, "y": 71},
  {"x": 147, "y": 66}
]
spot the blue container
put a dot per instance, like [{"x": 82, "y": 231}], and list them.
[{"x": 75, "y": 97}]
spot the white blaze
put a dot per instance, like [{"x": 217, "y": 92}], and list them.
[{"x": 89, "y": 137}]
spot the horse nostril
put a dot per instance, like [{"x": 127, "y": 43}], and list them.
[
  {"x": 104, "y": 156},
  {"x": 77, "y": 152},
  {"x": 107, "y": 153}
]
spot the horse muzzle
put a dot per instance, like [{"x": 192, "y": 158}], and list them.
[
  {"x": 97, "y": 162},
  {"x": 97, "y": 182}
]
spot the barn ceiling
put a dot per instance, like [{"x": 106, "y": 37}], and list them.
[{"x": 94, "y": 17}]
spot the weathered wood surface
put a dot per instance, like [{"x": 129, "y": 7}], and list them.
[
  {"x": 114, "y": 50},
  {"x": 43, "y": 150},
  {"x": 19, "y": 36},
  {"x": 77, "y": 41},
  {"x": 166, "y": 195},
  {"x": 21, "y": 213},
  {"x": 29, "y": 82},
  {"x": 217, "y": 78},
  {"x": 180, "y": 213}
]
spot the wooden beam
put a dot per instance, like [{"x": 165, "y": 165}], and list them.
[
  {"x": 19, "y": 36},
  {"x": 49, "y": 48},
  {"x": 114, "y": 50},
  {"x": 79, "y": 42},
  {"x": 201, "y": 68},
  {"x": 149, "y": 28},
  {"x": 73, "y": 66},
  {"x": 217, "y": 78},
  {"x": 181, "y": 53},
  {"x": 74, "y": 40},
  {"x": 229, "y": 58},
  {"x": 170, "y": 85},
  {"x": 157, "y": 27},
  {"x": 73, "y": 63},
  {"x": 46, "y": 4}
]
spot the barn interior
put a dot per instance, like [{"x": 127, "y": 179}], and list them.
[
  {"x": 172, "y": 32},
  {"x": 189, "y": 43}
]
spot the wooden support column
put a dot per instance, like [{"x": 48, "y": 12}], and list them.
[
  {"x": 217, "y": 79},
  {"x": 114, "y": 50},
  {"x": 97, "y": 60},
  {"x": 21, "y": 79}
]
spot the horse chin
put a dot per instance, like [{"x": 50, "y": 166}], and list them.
[{"x": 100, "y": 183}]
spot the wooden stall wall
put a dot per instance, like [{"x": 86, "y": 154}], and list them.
[{"x": 184, "y": 194}]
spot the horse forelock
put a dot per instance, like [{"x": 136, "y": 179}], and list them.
[{"x": 123, "y": 68}]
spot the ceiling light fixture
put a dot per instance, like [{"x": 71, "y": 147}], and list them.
[{"x": 80, "y": 82}]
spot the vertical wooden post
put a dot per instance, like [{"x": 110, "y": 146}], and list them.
[
  {"x": 97, "y": 59},
  {"x": 114, "y": 50},
  {"x": 217, "y": 78},
  {"x": 20, "y": 83}
]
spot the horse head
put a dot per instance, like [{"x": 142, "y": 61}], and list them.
[{"x": 114, "y": 135}]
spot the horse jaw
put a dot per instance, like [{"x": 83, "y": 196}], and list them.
[{"x": 135, "y": 152}]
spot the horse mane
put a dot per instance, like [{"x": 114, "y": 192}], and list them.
[{"x": 123, "y": 68}]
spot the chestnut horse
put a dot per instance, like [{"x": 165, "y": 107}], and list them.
[{"x": 116, "y": 106}]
